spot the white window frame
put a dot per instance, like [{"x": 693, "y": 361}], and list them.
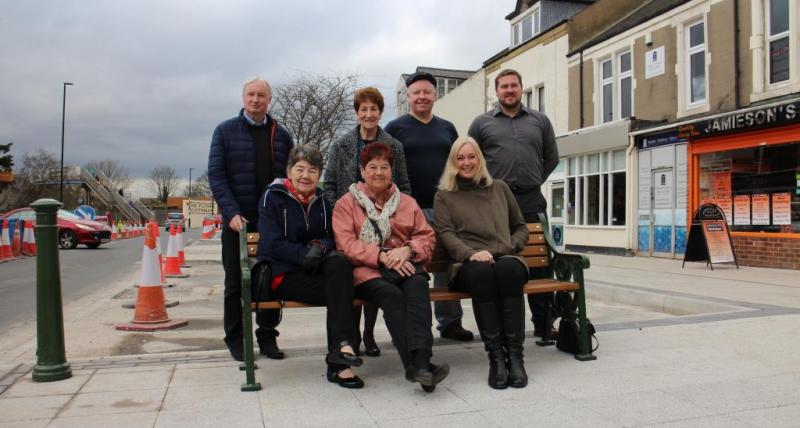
[
  {"x": 690, "y": 51},
  {"x": 603, "y": 82},
  {"x": 516, "y": 37},
  {"x": 620, "y": 77},
  {"x": 528, "y": 97},
  {"x": 581, "y": 179},
  {"x": 774, "y": 37}
]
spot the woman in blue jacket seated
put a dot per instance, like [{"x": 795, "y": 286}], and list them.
[{"x": 297, "y": 240}]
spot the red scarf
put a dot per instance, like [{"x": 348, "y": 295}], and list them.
[{"x": 303, "y": 199}]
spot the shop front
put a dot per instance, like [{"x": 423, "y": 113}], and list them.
[{"x": 748, "y": 163}]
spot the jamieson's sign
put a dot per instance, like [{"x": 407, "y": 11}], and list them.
[{"x": 743, "y": 121}]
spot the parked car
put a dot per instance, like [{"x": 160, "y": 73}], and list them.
[
  {"x": 177, "y": 219},
  {"x": 72, "y": 230}
]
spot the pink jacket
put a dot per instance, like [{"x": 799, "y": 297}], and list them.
[{"x": 408, "y": 227}]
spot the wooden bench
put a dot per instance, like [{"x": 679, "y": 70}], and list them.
[{"x": 564, "y": 272}]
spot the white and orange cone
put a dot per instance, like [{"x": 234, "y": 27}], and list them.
[
  {"x": 5, "y": 243},
  {"x": 208, "y": 229},
  {"x": 173, "y": 266},
  {"x": 181, "y": 254},
  {"x": 16, "y": 240},
  {"x": 114, "y": 232},
  {"x": 150, "y": 313},
  {"x": 29, "y": 239}
]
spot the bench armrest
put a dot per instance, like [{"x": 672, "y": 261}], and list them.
[{"x": 566, "y": 266}]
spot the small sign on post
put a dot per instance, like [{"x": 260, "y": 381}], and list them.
[{"x": 709, "y": 238}]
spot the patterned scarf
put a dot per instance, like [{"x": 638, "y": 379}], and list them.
[{"x": 367, "y": 234}]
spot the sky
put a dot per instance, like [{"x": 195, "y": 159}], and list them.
[{"x": 153, "y": 78}]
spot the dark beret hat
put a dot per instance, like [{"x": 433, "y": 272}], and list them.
[{"x": 420, "y": 75}]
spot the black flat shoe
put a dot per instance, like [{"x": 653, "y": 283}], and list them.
[
  {"x": 428, "y": 377},
  {"x": 457, "y": 332},
  {"x": 370, "y": 347},
  {"x": 343, "y": 359},
  {"x": 354, "y": 382}
]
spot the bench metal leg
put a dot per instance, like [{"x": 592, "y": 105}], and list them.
[
  {"x": 250, "y": 383},
  {"x": 585, "y": 339}
]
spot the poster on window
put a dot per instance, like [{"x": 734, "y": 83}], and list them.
[
  {"x": 781, "y": 208},
  {"x": 721, "y": 185},
  {"x": 727, "y": 207},
  {"x": 741, "y": 210},
  {"x": 760, "y": 209}
]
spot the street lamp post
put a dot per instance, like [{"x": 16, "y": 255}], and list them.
[
  {"x": 63, "y": 117},
  {"x": 190, "y": 182}
]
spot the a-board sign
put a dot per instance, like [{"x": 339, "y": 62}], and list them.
[{"x": 709, "y": 239}]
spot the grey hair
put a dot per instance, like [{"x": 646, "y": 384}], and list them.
[
  {"x": 305, "y": 152},
  {"x": 257, "y": 79}
]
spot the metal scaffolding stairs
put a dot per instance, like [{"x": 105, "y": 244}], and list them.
[{"x": 102, "y": 188}]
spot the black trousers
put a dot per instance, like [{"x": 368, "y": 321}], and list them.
[
  {"x": 406, "y": 310},
  {"x": 532, "y": 203},
  {"x": 491, "y": 282},
  {"x": 267, "y": 319},
  {"x": 332, "y": 288}
]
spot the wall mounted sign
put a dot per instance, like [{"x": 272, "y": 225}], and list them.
[
  {"x": 743, "y": 121},
  {"x": 654, "y": 62}
]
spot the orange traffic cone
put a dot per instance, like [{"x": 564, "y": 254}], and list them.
[
  {"x": 114, "y": 232},
  {"x": 157, "y": 231},
  {"x": 16, "y": 240},
  {"x": 173, "y": 267},
  {"x": 5, "y": 243},
  {"x": 208, "y": 229},
  {"x": 181, "y": 254},
  {"x": 150, "y": 313},
  {"x": 28, "y": 239}
]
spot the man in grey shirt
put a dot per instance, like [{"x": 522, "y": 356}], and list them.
[{"x": 520, "y": 148}]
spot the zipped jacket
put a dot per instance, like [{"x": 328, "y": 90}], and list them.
[{"x": 286, "y": 228}]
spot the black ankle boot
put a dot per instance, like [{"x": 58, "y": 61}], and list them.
[
  {"x": 489, "y": 327},
  {"x": 514, "y": 332}
]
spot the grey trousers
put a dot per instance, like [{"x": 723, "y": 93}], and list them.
[{"x": 448, "y": 312}]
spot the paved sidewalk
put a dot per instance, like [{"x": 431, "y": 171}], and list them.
[{"x": 678, "y": 347}]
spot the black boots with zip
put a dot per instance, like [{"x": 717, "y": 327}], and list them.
[
  {"x": 513, "y": 315},
  {"x": 486, "y": 315}
]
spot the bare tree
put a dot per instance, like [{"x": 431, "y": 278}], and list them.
[
  {"x": 164, "y": 181},
  {"x": 200, "y": 186},
  {"x": 316, "y": 109},
  {"x": 118, "y": 174},
  {"x": 39, "y": 178}
]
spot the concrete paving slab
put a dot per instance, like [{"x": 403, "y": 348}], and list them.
[
  {"x": 31, "y": 423},
  {"x": 318, "y": 404},
  {"x": 130, "y": 420},
  {"x": 209, "y": 419},
  {"x": 28, "y": 408},
  {"x": 779, "y": 416},
  {"x": 206, "y": 376},
  {"x": 714, "y": 421},
  {"x": 641, "y": 408},
  {"x": 26, "y": 387},
  {"x": 210, "y": 398},
  {"x": 458, "y": 420},
  {"x": 564, "y": 414},
  {"x": 105, "y": 381},
  {"x": 114, "y": 402}
]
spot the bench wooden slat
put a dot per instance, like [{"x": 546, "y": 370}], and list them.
[
  {"x": 534, "y": 286},
  {"x": 537, "y": 261},
  {"x": 534, "y": 250},
  {"x": 535, "y": 239},
  {"x": 535, "y": 227}
]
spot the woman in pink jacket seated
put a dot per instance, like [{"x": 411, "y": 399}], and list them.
[{"x": 384, "y": 235}]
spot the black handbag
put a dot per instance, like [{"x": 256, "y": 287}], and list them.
[
  {"x": 260, "y": 282},
  {"x": 392, "y": 275},
  {"x": 569, "y": 329}
]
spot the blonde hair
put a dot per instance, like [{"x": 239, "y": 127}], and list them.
[
  {"x": 448, "y": 181},
  {"x": 257, "y": 79}
]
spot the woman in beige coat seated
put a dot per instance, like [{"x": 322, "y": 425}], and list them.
[
  {"x": 482, "y": 229},
  {"x": 384, "y": 235}
]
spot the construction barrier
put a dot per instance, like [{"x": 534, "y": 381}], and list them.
[
  {"x": 150, "y": 313},
  {"x": 208, "y": 229},
  {"x": 173, "y": 266}
]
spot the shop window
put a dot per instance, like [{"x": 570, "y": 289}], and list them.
[
  {"x": 696, "y": 62},
  {"x": 778, "y": 40},
  {"x": 596, "y": 189},
  {"x": 758, "y": 188}
]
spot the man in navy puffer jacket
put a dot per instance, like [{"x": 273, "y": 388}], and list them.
[{"x": 247, "y": 153}]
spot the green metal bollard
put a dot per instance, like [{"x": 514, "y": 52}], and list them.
[{"x": 51, "y": 361}]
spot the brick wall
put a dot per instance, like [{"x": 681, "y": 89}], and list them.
[{"x": 767, "y": 252}]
